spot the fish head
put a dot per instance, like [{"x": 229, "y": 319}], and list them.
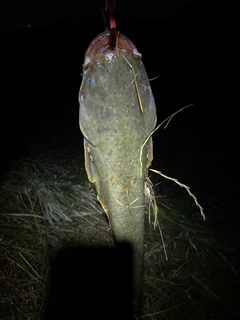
[{"x": 102, "y": 44}]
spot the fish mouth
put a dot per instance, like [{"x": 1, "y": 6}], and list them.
[{"x": 102, "y": 44}]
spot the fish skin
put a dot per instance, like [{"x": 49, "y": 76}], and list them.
[
  {"x": 115, "y": 97},
  {"x": 108, "y": 97},
  {"x": 117, "y": 117}
]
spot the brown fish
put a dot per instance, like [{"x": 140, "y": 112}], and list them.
[{"x": 117, "y": 115}]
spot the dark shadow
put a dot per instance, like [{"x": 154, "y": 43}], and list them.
[{"x": 90, "y": 283}]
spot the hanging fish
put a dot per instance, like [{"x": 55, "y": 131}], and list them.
[{"x": 117, "y": 115}]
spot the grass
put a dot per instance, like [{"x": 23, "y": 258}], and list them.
[
  {"x": 195, "y": 280},
  {"x": 47, "y": 202}
]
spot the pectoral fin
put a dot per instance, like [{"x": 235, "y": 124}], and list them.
[
  {"x": 89, "y": 164},
  {"x": 149, "y": 152}
]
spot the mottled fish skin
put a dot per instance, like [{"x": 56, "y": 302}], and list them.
[
  {"x": 115, "y": 98},
  {"x": 117, "y": 116}
]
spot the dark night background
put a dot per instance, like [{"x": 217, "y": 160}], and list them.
[{"x": 183, "y": 42}]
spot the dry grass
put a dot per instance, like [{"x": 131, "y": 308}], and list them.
[
  {"x": 46, "y": 202},
  {"x": 188, "y": 272}
]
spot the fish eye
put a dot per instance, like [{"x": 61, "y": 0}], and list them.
[{"x": 90, "y": 82}]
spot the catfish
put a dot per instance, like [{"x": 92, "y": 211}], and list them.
[{"x": 117, "y": 116}]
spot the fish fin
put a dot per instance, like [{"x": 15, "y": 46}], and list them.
[
  {"x": 89, "y": 165},
  {"x": 149, "y": 152},
  {"x": 105, "y": 210}
]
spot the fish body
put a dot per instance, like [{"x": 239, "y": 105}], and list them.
[
  {"x": 115, "y": 97},
  {"x": 117, "y": 117}
]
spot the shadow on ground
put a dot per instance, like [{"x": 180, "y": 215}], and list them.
[{"x": 89, "y": 283}]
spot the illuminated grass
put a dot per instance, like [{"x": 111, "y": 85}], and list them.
[{"x": 46, "y": 203}]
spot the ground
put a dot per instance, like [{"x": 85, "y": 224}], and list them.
[{"x": 53, "y": 228}]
